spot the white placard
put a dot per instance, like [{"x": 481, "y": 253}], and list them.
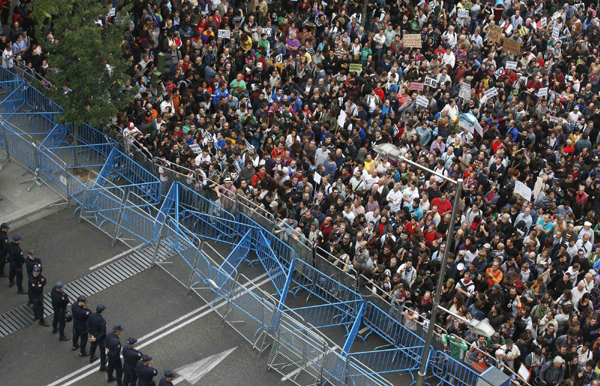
[
  {"x": 492, "y": 92},
  {"x": 430, "y": 82},
  {"x": 195, "y": 148},
  {"x": 542, "y": 92},
  {"x": 63, "y": 180},
  {"x": 510, "y": 65},
  {"x": 524, "y": 373},
  {"x": 465, "y": 91},
  {"x": 543, "y": 23},
  {"x": 463, "y": 13},
  {"x": 279, "y": 58},
  {"x": 112, "y": 12},
  {"x": 224, "y": 33},
  {"x": 268, "y": 31},
  {"x": 556, "y": 32},
  {"x": 554, "y": 119},
  {"x": 317, "y": 178},
  {"x": 499, "y": 72},
  {"x": 466, "y": 125},
  {"x": 422, "y": 101},
  {"x": 342, "y": 118},
  {"x": 479, "y": 129},
  {"x": 523, "y": 190}
]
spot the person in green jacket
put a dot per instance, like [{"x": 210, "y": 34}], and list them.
[{"x": 456, "y": 346}]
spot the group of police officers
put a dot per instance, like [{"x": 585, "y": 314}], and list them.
[{"x": 87, "y": 326}]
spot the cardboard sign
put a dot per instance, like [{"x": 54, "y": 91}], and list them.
[
  {"x": 499, "y": 72},
  {"x": 224, "y": 33},
  {"x": 463, "y": 13},
  {"x": 495, "y": 33},
  {"x": 523, "y": 190},
  {"x": 510, "y": 65},
  {"x": 492, "y": 92},
  {"x": 422, "y": 101},
  {"x": 416, "y": 86},
  {"x": 465, "y": 91},
  {"x": 542, "y": 92},
  {"x": 412, "y": 40},
  {"x": 430, "y": 82},
  {"x": 511, "y": 46},
  {"x": 355, "y": 67}
]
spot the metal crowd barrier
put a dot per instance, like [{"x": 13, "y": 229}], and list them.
[
  {"x": 238, "y": 254},
  {"x": 452, "y": 372}
]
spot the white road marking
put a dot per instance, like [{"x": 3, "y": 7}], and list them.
[
  {"x": 293, "y": 373},
  {"x": 180, "y": 326},
  {"x": 125, "y": 253},
  {"x": 197, "y": 370}
]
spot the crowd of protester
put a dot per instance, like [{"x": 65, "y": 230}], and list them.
[{"x": 257, "y": 99}]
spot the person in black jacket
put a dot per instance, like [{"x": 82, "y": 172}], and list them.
[
  {"x": 81, "y": 315},
  {"x": 97, "y": 329},
  {"x": 30, "y": 262},
  {"x": 131, "y": 356},
  {"x": 4, "y": 245},
  {"x": 60, "y": 301},
  {"x": 36, "y": 287},
  {"x": 16, "y": 260},
  {"x": 145, "y": 373},
  {"x": 113, "y": 351}
]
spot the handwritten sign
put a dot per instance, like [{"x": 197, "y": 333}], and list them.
[
  {"x": 355, "y": 67},
  {"x": 543, "y": 23},
  {"x": 556, "y": 31},
  {"x": 465, "y": 91},
  {"x": 511, "y": 46},
  {"x": 495, "y": 33},
  {"x": 510, "y": 65},
  {"x": 499, "y": 72},
  {"x": 416, "y": 86},
  {"x": 412, "y": 40},
  {"x": 463, "y": 13},
  {"x": 422, "y": 101},
  {"x": 492, "y": 92},
  {"x": 224, "y": 33},
  {"x": 542, "y": 92},
  {"x": 523, "y": 190},
  {"x": 430, "y": 82}
]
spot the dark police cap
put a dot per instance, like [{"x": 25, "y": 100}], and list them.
[
  {"x": 4, "y": 226},
  {"x": 131, "y": 341},
  {"x": 82, "y": 298},
  {"x": 146, "y": 358},
  {"x": 117, "y": 327},
  {"x": 16, "y": 238},
  {"x": 100, "y": 307},
  {"x": 170, "y": 374}
]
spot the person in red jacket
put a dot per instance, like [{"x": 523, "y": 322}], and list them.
[{"x": 258, "y": 177}]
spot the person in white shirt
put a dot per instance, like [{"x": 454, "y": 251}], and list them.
[
  {"x": 8, "y": 60},
  {"x": 577, "y": 292},
  {"x": 407, "y": 273},
  {"x": 451, "y": 37},
  {"x": 588, "y": 282},
  {"x": 409, "y": 194},
  {"x": 394, "y": 197},
  {"x": 585, "y": 245},
  {"x": 448, "y": 59}
]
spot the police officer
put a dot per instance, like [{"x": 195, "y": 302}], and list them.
[
  {"x": 145, "y": 373},
  {"x": 131, "y": 356},
  {"x": 36, "y": 287},
  {"x": 60, "y": 301},
  {"x": 168, "y": 379},
  {"x": 30, "y": 262},
  {"x": 80, "y": 330},
  {"x": 16, "y": 260},
  {"x": 97, "y": 330},
  {"x": 4, "y": 245},
  {"x": 113, "y": 351}
]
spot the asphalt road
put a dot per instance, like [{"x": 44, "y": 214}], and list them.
[{"x": 67, "y": 250}]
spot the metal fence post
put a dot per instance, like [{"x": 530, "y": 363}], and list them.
[
  {"x": 158, "y": 238},
  {"x": 7, "y": 159},
  {"x": 120, "y": 218},
  {"x": 194, "y": 266}
]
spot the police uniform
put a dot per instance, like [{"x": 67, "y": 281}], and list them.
[
  {"x": 131, "y": 356},
  {"x": 167, "y": 379},
  {"x": 16, "y": 260},
  {"x": 145, "y": 373},
  {"x": 29, "y": 264},
  {"x": 36, "y": 287},
  {"x": 113, "y": 346},
  {"x": 80, "y": 329},
  {"x": 97, "y": 329},
  {"x": 4, "y": 245},
  {"x": 60, "y": 301}
]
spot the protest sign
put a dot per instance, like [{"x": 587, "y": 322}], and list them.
[
  {"x": 465, "y": 91},
  {"x": 412, "y": 40},
  {"x": 495, "y": 33},
  {"x": 510, "y": 65},
  {"x": 492, "y": 92},
  {"x": 422, "y": 101},
  {"x": 355, "y": 67},
  {"x": 279, "y": 58},
  {"x": 523, "y": 31},
  {"x": 511, "y": 46},
  {"x": 556, "y": 32},
  {"x": 224, "y": 33},
  {"x": 542, "y": 92},
  {"x": 430, "y": 82},
  {"x": 463, "y": 13},
  {"x": 523, "y": 190},
  {"x": 499, "y": 72},
  {"x": 543, "y": 23},
  {"x": 416, "y": 86}
]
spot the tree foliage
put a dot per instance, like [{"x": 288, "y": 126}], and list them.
[{"x": 88, "y": 67}]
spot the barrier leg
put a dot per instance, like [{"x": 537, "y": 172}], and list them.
[{"x": 6, "y": 159}]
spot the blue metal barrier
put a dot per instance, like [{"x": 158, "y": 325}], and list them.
[
  {"x": 284, "y": 252},
  {"x": 330, "y": 314},
  {"x": 89, "y": 135},
  {"x": 88, "y": 156},
  {"x": 21, "y": 149},
  {"x": 270, "y": 262},
  {"x": 209, "y": 227},
  {"x": 450, "y": 371},
  {"x": 238, "y": 254}
]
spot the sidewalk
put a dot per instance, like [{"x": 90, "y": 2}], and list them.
[{"x": 17, "y": 203}]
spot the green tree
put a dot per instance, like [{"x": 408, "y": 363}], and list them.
[{"x": 89, "y": 75}]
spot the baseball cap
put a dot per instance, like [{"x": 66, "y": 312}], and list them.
[
  {"x": 117, "y": 327},
  {"x": 4, "y": 226},
  {"x": 146, "y": 358},
  {"x": 131, "y": 341},
  {"x": 37, "y": 269},
  {"x": 16, "y": 238},
  {"x": 170, "y": 374},
  {"x": 100, "y": 307},
  {"x": 60, "y": 285},
  {"x": 82, "y": 298},
  {"x": 31, "y": 252}
]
